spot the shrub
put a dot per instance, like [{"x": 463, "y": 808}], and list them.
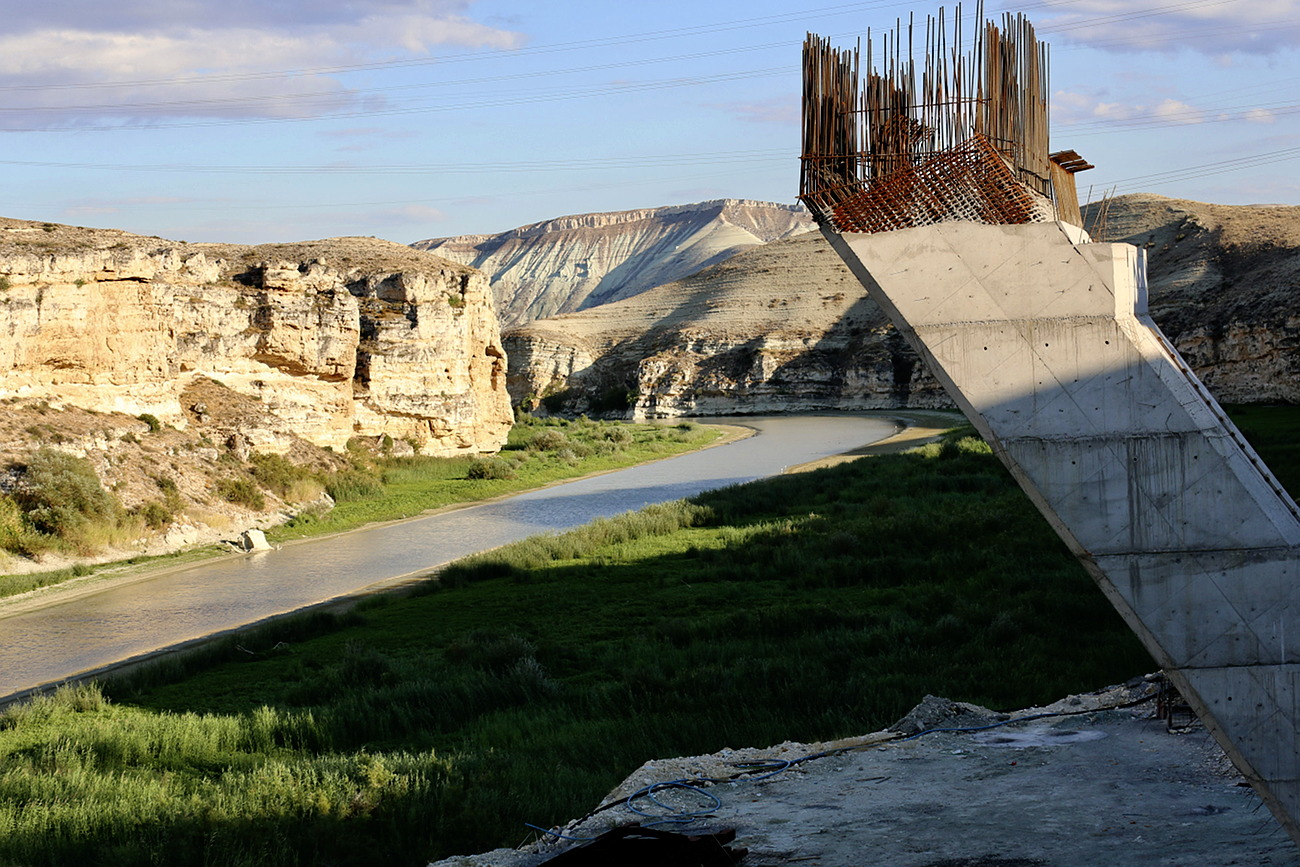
[
  {"x": 353, "y": 484},
  {"x": 277, "y": 474},
  {"x": 172, "y": 498},
  {"x": 151, "y": 420},
  {"x": 241, "y": 492},
  {"x": 11, "y": 525},
  {"x": 489, "y": 468},
  {"x": 617, "y": 434},
  {"x": 154, "y": 514},
  {"x": 60, "y": 494},
  {"x": 548, "y": 440}
]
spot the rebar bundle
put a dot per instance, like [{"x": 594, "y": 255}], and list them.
[{"x": 962, "y": 137}]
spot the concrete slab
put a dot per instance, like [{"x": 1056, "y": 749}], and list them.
[{"x": 1109, "y": 787}]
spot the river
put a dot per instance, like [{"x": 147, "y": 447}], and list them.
[{"x": 92, "y": 631}]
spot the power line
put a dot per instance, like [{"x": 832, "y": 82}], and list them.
[{"x": 530, "y": 166}]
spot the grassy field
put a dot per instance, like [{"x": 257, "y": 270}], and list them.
[
  {"x": 527, "y": 682},
  {"x": 375, "y": 487}
]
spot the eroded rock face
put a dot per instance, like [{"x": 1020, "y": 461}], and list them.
[
  {"x": 580, "y": 261},
  {"x": 1225, "y": 288},
  {"x": 339, "y": 338},
  {"x": 780, "y": 328},
  {"x": 784, "y": 327}
]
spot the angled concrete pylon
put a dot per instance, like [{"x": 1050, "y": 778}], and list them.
[{"x": 1044, "y": 341}]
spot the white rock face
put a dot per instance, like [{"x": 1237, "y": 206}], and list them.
[
  {"x": 339, "y": 338},
  {"x": 572, "y": 263}
]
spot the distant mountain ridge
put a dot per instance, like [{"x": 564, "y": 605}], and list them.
[{"x": 582, "y": 260}]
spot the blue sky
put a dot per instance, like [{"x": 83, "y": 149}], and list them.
[{"x": 273, "y": 120}]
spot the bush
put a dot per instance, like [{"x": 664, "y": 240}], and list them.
[
  {"x": 617, "y": 434},
  {"x": 151, "y": 420},
  {"x": 489, "y": 468},
  {"x": 154, "y": 514},
  {"x": 12, "y": 529},
  {"x": 353, "y": 484},
  {"x": 548, "y": 440},
  {"x": 279, "y": 475},
  {"x": 241, "y": 492},
  {"x": 60, "y": 494}
]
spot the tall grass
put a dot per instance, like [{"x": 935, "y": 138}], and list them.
[{"x": 528, "y": 681}]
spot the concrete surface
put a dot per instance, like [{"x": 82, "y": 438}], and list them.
[
  {"x": 1099, "y": 787},
  {"x": 1044, "y": 341}
]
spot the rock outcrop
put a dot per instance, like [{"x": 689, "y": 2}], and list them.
[
  {"x": 339, "y": 338},
  {"x": 784, "y": 327},
  {"x": 1225, "y": 288},
  {"x": 780, "y": 328},
  {"x": 572, "y": 263}
]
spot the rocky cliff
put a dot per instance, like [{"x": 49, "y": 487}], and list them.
[
  {"x": 335, "y": 339},
  {"x": 1225, "y": 287},
  {"x": 784, "y": 327},
  {"x": 576, "y": 262}
]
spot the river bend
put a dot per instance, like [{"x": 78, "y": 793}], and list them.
[{"x": 83, "y": 634}]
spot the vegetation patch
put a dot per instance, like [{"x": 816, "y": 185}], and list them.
[{"x": 523, "y": 684}]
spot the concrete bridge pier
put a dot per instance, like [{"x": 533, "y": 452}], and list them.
[{"x": 1043, "y": 339}]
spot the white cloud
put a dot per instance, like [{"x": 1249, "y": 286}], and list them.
[
  {"x": 1174, "y": 111},
  {"x": 777, "y": 109},
  {"x": 1211, "y": 27},
  {"x": 1075, "y": 109},
  {"x": 230, "y": 65}
]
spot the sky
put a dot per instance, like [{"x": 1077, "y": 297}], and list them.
[{"x": 256, "y": 121}]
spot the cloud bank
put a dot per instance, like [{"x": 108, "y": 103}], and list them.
[
  {"x": 141, "y": 61},
  {"x": 1211, "y": 27}
]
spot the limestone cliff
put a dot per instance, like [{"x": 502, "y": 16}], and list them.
[
  {"x": 338, "y": 338},
  {"x": 572, "y": 263},
  {"x": 784, "y": 327}
]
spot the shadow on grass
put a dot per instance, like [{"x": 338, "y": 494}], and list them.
[{"x": 531, "y": 680}]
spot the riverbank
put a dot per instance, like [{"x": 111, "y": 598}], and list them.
[
  {"x": 138, "y": 620},
  {"x": 915, "y": 427},
  {"x": 68, "y": 583}
]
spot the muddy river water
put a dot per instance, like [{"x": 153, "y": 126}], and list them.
[{"x": 102, "y": 628}]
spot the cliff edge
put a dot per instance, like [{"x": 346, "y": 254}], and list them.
[{"x": 334, "y": 339}]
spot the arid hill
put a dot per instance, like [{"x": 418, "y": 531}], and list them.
[
  {"x": 580, "y": 261},
  {"x": 784, "y": 327}
]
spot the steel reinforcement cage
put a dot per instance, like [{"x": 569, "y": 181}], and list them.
[{"x": 963, "y": 137}]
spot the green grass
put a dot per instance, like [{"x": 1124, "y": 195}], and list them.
[
  {"x": 531, "y": 680},
  {"x": 401, "y": 487}
]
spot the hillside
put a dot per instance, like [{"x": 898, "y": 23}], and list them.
[
  {"x": 786, "y": 328},
  {"x": 580, "y": 261},
  {"x": 783, "y": 327},
  {"x": 1225, "y": 288}
]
